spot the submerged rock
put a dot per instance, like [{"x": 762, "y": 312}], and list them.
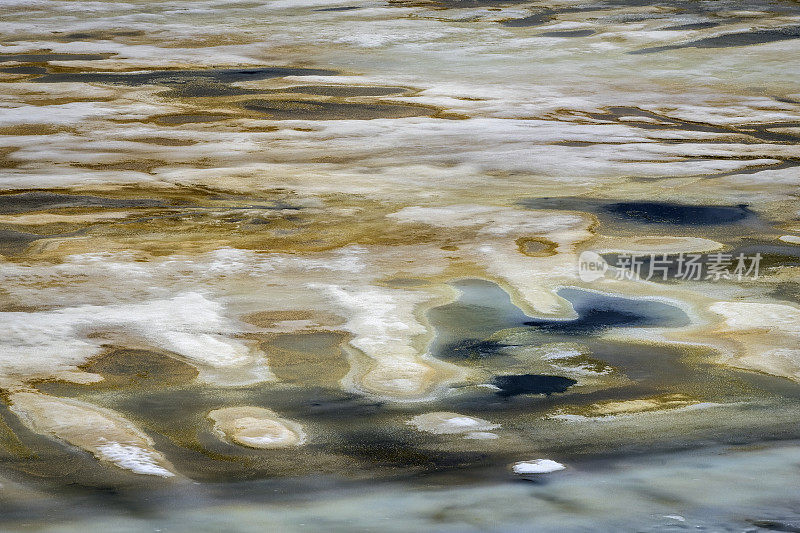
[
  {"x": 256, "y": 427},
  {"x": 101, "y": 432}
]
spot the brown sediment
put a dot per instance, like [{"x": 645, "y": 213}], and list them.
[
  {"x": 283, "y": 109},
  {"x": 47, "y": 56},
  {"x": 8, "y": 162},
  {"x": 164, "y": 141},
  {"x": 91, "y": 35},
  {"x": 126, "y": 368},
  {"x": 188, "y": 118},
  {"x": 273, "y": 319},
  {"x": 344, "y": 90},
  {"x": 34, "y": 129},
  {"x": 139, "y": 165},
  {"x": 309, "y": 359},
  {"x": 536, "y": 247},
  {"x": 205, "y": 223}
]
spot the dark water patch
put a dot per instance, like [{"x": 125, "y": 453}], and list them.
[
  {"x": 40, "y": 201},
  {"x": 692, "y": 26},
  {"x": 163, "y": 141},
  {"x": 655, "y": 121},
  {"x": 189, "y": 118},
  {"x": 400, "y": 449},
  {"x": 568, "y": 33},
  {"x": 43, "y": 57},
  {"x": 204, "y": 88},
  {"x": 614, "y": 113},
  {"x": 178, "y": 77},
  {"x": 515, "y": 385},
  {"x": 209, "y": 88},
  {"x": 14, "y": 242},
  {"x": 545, "y": 15},
  {"x": 343, "y": 90},
  {"x": 473, "y": 349},
  {"x": 316, "y": 110},
  {"x": 28, "y": 69},
  {"x": 531, "y": 20},
  {"x": 766, "y": 131},
  {"x": 466, "y": 329},
  {"x": 729, "y": 40},
  {"x": 678, "y": 214},
  {"x": 658, "y": 217},
  {"x": 98, "y": 35},
  {"x": 463, "y": 328},
  {"x": 343, "y": 8},
  {"x": 340, "y": 406},
  {"x": 598, "y": 312},
  {"x": 347, "y": 434},
  {"x": 703, "y": 8}
]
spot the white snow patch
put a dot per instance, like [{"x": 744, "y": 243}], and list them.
[
  {"x": 537, "y": 466},
  {"x": 133, "y": 458}
]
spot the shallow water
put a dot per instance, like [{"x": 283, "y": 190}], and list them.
[{"x": 319, "y": 266}]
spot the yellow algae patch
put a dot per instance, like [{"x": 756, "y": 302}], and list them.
[
  {"x": 256, "y": 427},
  {"x": 536, "y": 246},
  {"x": 640, "y": 405},
  {"x": 445, "y": 423},
  {"x": 613, "y": 409},
  {"x": 101, "y": 432}
]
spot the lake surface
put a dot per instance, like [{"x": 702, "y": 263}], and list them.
[{"x": 337, "y": 266}]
